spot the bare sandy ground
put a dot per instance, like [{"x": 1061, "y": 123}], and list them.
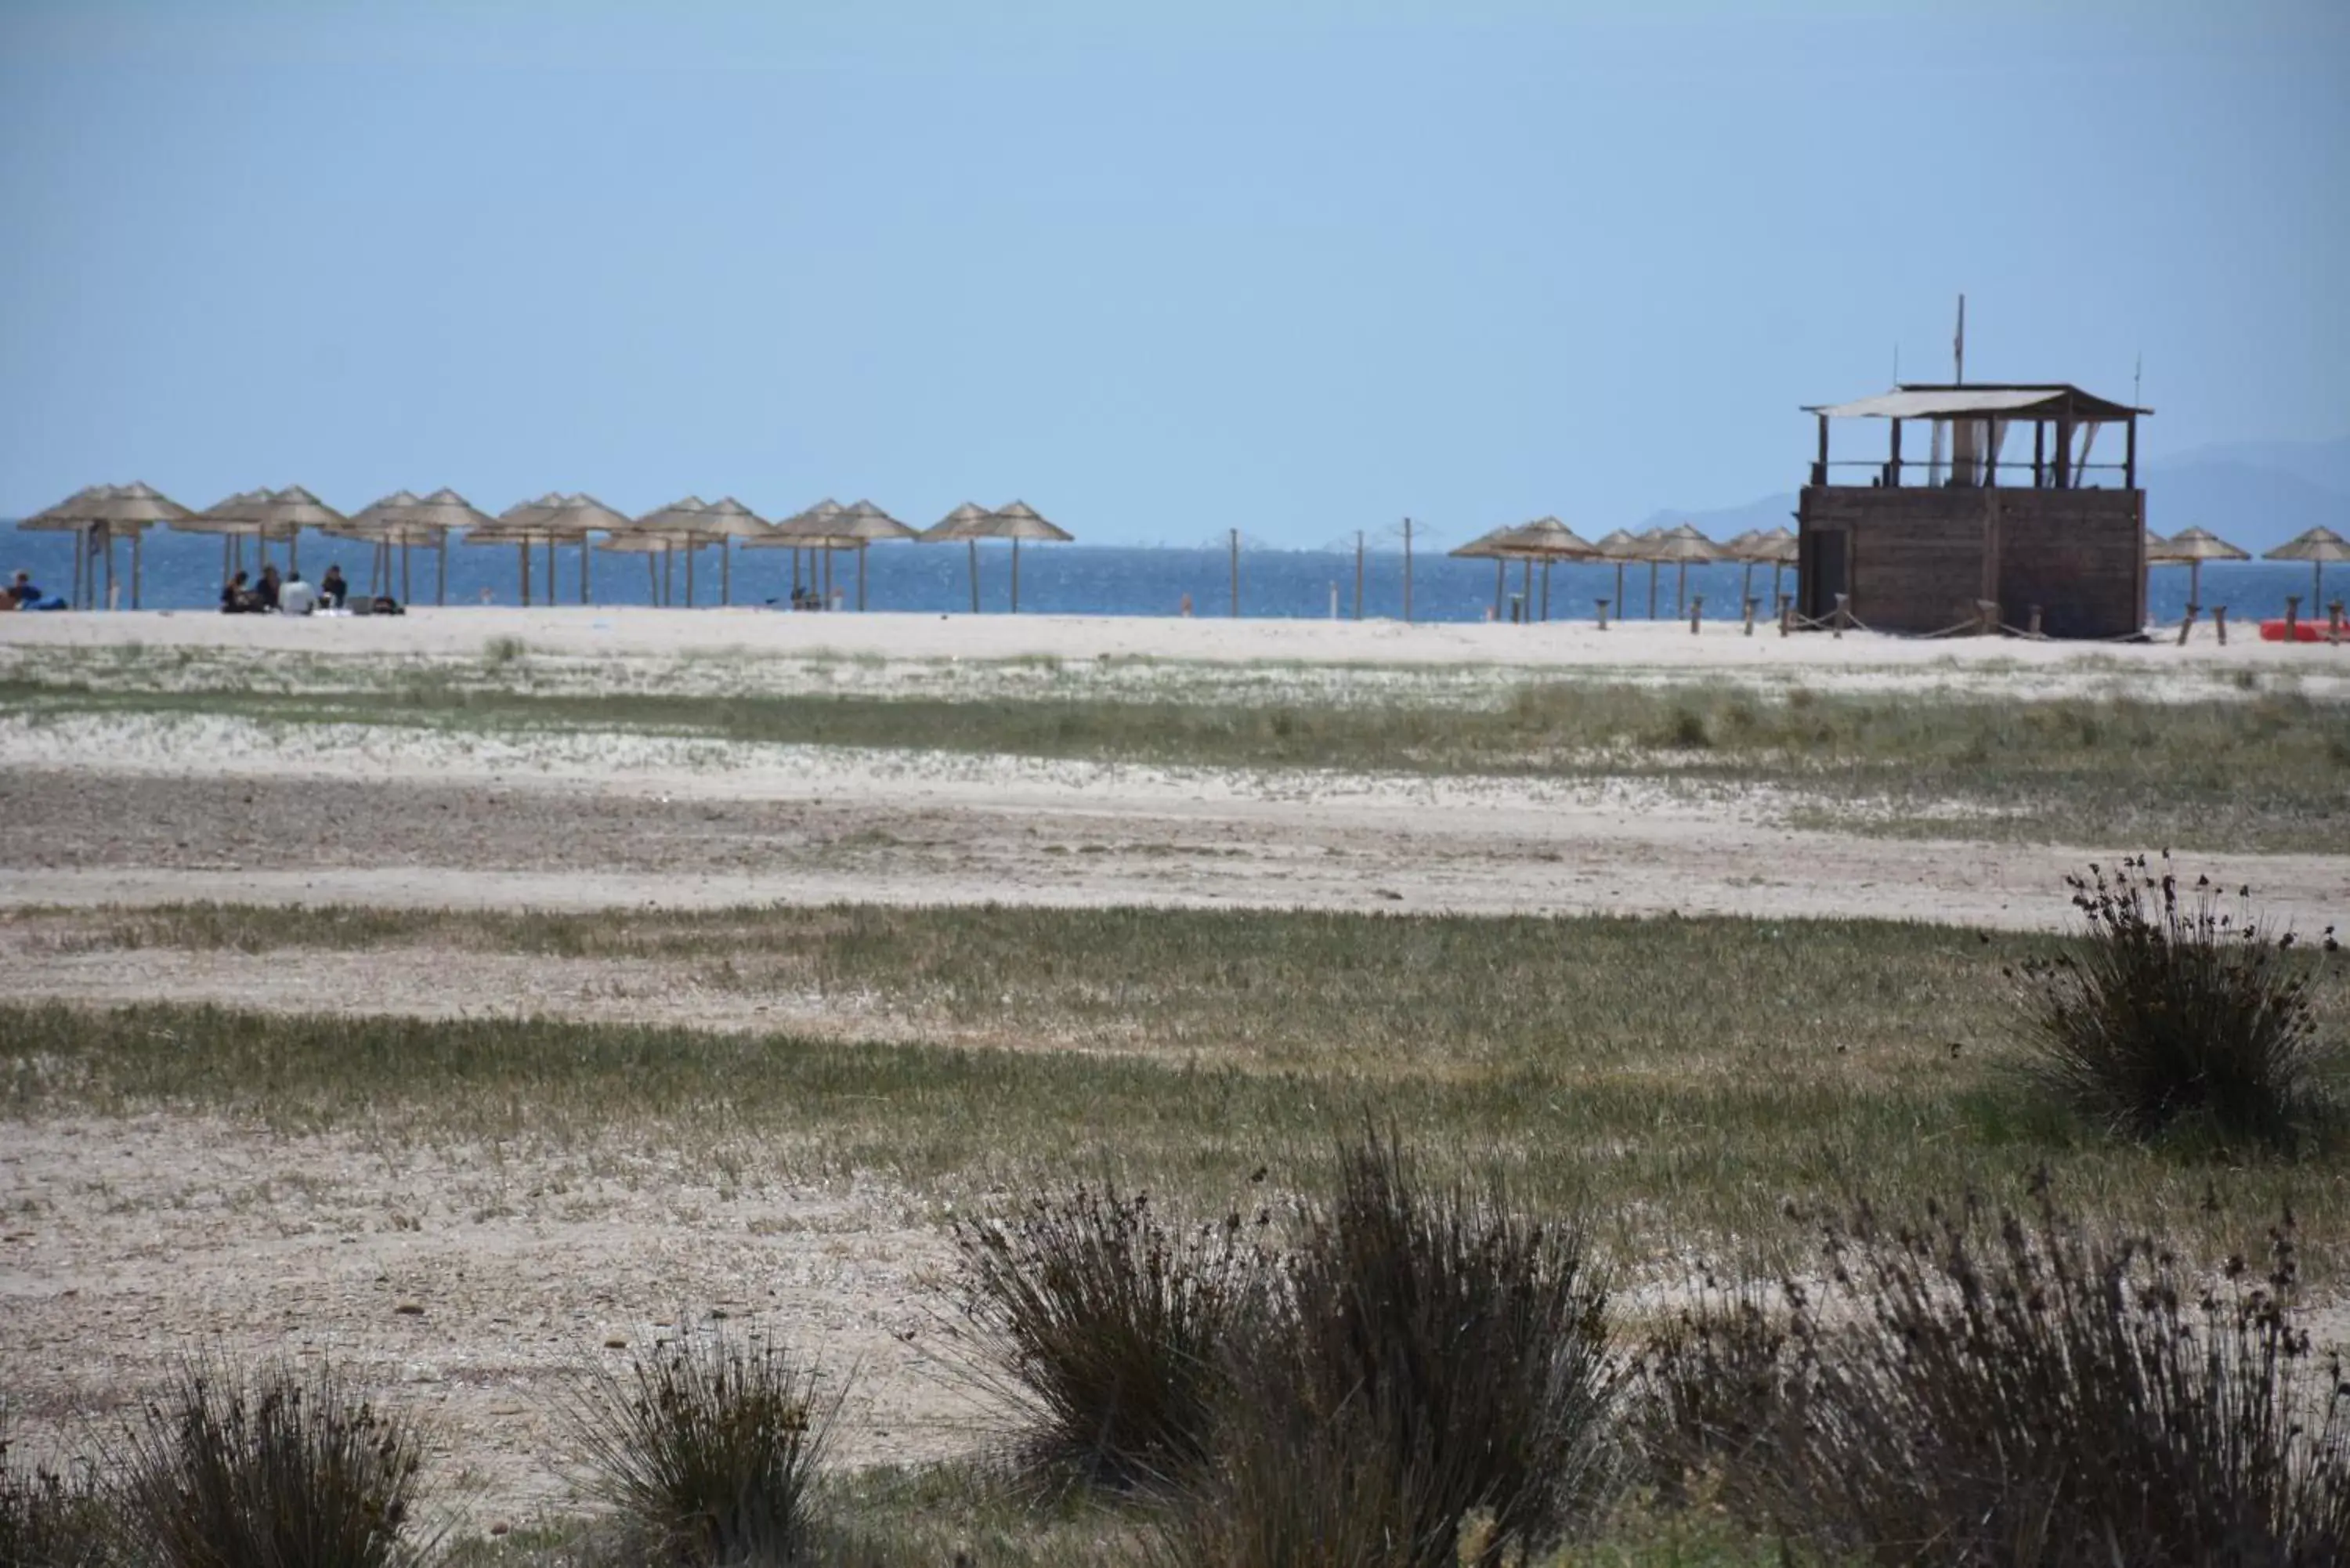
[
  {"x": 473, "y": 1287},
  {"x": 592, "y": 631}
]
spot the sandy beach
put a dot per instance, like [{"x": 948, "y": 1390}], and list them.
[{"x": 131, "y": 1236}]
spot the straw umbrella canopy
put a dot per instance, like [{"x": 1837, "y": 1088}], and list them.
[
  {"x": 1775, "y": 547},
  {"x": 811, "y": 529},
  {"x": 1681, "y": 545},
  {"x": 956, "y": 524},
  {"x": 1547, "y": 540},
  {"x": 1621, "y": 546},
  {"x": 727, "y": 520},
  {"x": 2318, "y": 547},
  {"x": 403, "y": 519},
  {"x": 634, "y": 542},
  {"x": 689, "y": 524},
  {"x": 2194, "y": 547},
  {"x": 254, "y": 515},
  {"x": 865, "y": 523},
  {"x": 96, "y": 514},
  {"x": 1493, "y": 546},
  {"x": 1015, "y": 522},
  {"x": 552, "y": 520},
  {"x": 284, "y": 513}
]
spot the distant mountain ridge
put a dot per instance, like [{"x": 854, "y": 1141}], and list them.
[{"x": 2256, "y": 494}]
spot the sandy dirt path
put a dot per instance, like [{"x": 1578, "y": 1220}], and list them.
[{"x": 343, "y": 827}]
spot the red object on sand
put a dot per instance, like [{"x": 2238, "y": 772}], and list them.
[{"x": 2303, "y": 632}]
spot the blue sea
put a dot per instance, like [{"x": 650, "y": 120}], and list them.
[{"x": 183, "y": 571}]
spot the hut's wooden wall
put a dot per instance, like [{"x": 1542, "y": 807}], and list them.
[{"x": 1918, "y": 559}]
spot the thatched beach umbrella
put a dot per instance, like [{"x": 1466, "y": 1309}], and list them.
[
  {"x": 688, "y": 524},
  {"x": 554, "y": 519},
  {"x": 813, "y": 531},
  {"x": 1680, "y": 545},
  {"x": 729, "y": 520},
  {"x": 1777, "y": 547},
  {"x": 867, "y": 524},
  {"x": 2317, "y": 546},
  {"x": 650, "y": 545},
  {"x": 2194, "y": 547},
  {"x": 956, "y": 524},
  {"x": 1489, "y": 546},
  {"x": 403, "y": 519},
  {"x": 1621, "y": 546},
  {"x": 96, "y": 515},
  {"x": 263, "y": 515},
  {"x": 1549, "y": 541},
  {"x": 1015, "y": 522}
]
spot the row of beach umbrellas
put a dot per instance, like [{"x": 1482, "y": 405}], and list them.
[
  {"x": 102, "y": 513},
  {"x": 2191, "y": 547},
  {"x": 1546, "y": 541}
]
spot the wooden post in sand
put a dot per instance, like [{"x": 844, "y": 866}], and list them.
[
  {"x": 1750, "y": 603},
  {"x": 1696, "y": 611},
  {"x": 2219, "y": 623},
  {"x": 1786, "y": 616},
  {"x": 2185, "y": 625},
  {"x": 1603, "y": 614},
  {"x": 2292, "y": 616},
  {"x": 1842, "y": 615}
]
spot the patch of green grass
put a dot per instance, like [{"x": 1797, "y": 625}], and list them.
[{"x": 2263, "y": 773}]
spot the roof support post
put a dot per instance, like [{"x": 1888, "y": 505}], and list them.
[
  {"x": 1893, "y": 466},
  {"x": 1820, "y": 468},
  {"x": 2129, "y": 457},
  {"x": 2039, "y": 454}
]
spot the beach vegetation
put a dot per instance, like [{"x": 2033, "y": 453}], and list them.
[{"x": 2180, "y": 1013}]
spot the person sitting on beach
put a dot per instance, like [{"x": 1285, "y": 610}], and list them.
[
  {"x": 236, "y": 598},
  {"x": 332, "y": 589},
  {"x": 265, "y": 590},
  {"x": 22, "y": 594},
  {"x": 297, "y": 598}
]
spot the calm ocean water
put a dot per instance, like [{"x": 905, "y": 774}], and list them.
[{"x": 183, "y": 571}]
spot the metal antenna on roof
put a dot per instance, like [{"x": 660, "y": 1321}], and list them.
[
  {"x": 2137, "y": 380},
  {"x": 1959, "y": 345}
]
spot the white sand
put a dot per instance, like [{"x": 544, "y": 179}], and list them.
[{"x": 1560, "y": 644}]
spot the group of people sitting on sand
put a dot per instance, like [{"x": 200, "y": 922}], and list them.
[
  {"x": 21, "y": 594},
  {"x": 271, "y": 594},
  {"x": 810, "y": 599}
]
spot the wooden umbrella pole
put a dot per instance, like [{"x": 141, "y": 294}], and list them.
[
  {"x": 691, "y": 552},
  {"x": 441, "y": 570},
  {"x": 652, "y": 581},
  {"x": 1526, "y": 588},
  {"x": 583, "y": 553},
  {"x": 1545, "y": 609},
  {"x": 1681, "y": 592},
  {"x": 1501, "y": 574},
  {"x": 1652, "y": 590},
  {"x": 727, "y": 572},
  {"x": 860, "y": 577},
  {"x": 668, "y": 575},
  {"x": 974, "y": 574},
  {"x": 1015, "y": 573},
  {"x": 405, "y": 595},
  {"x": 136, "y": 540},
  {"x": 522, "y": 554}
]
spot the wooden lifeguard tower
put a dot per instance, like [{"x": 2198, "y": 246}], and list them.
[{"x": 1922, "y": 546}]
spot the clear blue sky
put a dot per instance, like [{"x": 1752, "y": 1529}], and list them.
[{"x": 1159, "y": 269}]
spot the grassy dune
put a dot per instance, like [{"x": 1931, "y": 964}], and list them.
[
  {"x": 2263, "y": 772},
  {"x": 1695, "y": 1079}
]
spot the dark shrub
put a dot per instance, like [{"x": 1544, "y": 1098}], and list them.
[
  {"x": 1432, "y": 1358},
  {"x": 2027, "y": 1394},
  {"x": 48, "y": 1520},
  {"x": 283, "y": 1467},
  {"x": 1707, "y": 1386},
  {"x": 1109, "y": 1328},
  {"x": 2176, "y": 1012},
  {"x": 708, "y": 1450}
]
